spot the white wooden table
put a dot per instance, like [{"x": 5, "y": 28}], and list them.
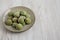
[{"x": 47, "y": 24}]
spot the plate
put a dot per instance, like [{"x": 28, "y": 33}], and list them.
[{"x": 18, "y": 8}]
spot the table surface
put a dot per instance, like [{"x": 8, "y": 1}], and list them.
[{"x": 47, "y": 24}]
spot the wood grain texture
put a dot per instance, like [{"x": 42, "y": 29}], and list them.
[{"x": 47, "y": 23}]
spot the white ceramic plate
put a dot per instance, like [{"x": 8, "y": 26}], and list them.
[{"x": 17, "y": 8}]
